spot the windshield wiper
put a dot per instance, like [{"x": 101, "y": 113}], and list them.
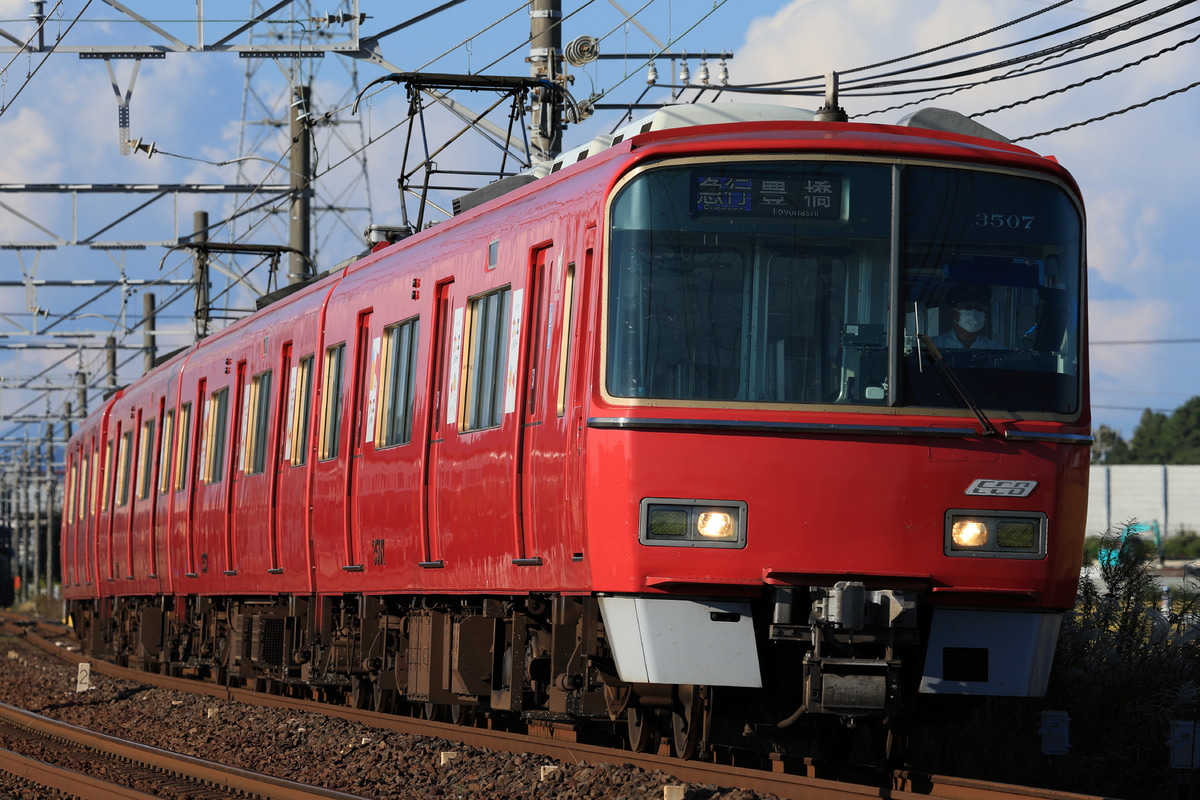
[{"x": 951, "y": 379}]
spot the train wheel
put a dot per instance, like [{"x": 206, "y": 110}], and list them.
[
  {"x": 687, "y": 721},
  {"x": 890, "y": 738},
  {"x": 642, "y": 727},
  {"x": 463, "y": 714},
  {"x": 362, "y": 693}
]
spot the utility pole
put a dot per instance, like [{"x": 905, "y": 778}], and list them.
[
  {"x": 51, "y": 518},
  {"x": 545, "y": 61},
  {"x": 300, "y": 221},
  {"x": 110, "y": 362},
  {"x": 200, "y": 272},
  {"x": 148, "y": 327}
]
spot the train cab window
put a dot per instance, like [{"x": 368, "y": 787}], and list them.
[
  {"x": 212, "y": 458},
  {"x": 182, "y": 446},
  {"x": 991, "y": 270},
  {"x": 166, "y": 452},
  {"x": 487, "y": 354},
  {"x": 331, "y": 401},
  {"x": 146, "y": 451},
  {"x": 753, "y": 282},
  {"x": 124, "y": 462},
  {"x": 298, "y": 412},
  {"x": 399, "y": 377},
  {"x": 257, "y": 414},
  {"x": 817, "y": 282}
]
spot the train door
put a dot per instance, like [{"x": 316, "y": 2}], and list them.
[
  {"x": 446, "y": 344},
  {"x": 280, "y": 453},
  {"x": 234, "y": 475},
  {"x": 361, "y": 421},
  {"x": 575, "y": 366},
  {"x": 536, "y": 464}
]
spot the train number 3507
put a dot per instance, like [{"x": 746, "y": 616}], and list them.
[{"x": 1016, "y": 222}]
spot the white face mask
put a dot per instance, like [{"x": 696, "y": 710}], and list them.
[{"x": 971, "y": 321}]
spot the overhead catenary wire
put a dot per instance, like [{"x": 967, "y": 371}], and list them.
[{"x": 1030, "y": 70}]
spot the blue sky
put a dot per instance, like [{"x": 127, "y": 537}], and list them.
[{"x": 1138, "y": 170}]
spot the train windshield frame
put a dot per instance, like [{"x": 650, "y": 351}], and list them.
[{"x": 806, "y": 282}]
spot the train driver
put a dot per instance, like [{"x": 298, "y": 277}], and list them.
[{"x": 968, "y": 303}]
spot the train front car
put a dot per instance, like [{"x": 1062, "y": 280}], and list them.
[{"x": 838, "y": 455}]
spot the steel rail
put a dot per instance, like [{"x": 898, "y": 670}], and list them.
[
  {"x": 900, "y": 785},
  {"x": 237, "y": 782}
]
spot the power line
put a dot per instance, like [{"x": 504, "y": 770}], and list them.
[
  {"x": 1143, "y": 341},
  {"x": 1125, "y": 110}
]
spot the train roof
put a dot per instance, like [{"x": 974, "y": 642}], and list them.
[{"x": 690, "y": 115}]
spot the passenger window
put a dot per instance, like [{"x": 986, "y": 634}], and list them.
[
  {"x": 106, "y": 484},
  {"x": 146, "y": 460},
  {"x": 487, "y": 360},
  {"x": 298, "y": 411},
  {"x": 183, "y": 446},
  {"x": 213, "y": 456},
  {"x": 166, "y": 452},
  {"x": 259, "y": 411},
  {"x": 399, "y": 375},
  {"x": 331, "y": 401},
  {"x": 84, "y": 488},
  {"x": 124, "y": 457}
]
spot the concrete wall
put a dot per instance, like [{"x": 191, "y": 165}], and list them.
[{"x": 1168, "y": 495}]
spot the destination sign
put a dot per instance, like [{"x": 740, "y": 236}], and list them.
[{"x": 808, "y": 197}]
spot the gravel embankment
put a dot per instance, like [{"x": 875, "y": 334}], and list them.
[{"x": 306, "y": 747}]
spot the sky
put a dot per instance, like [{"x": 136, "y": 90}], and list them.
[{"x": 59, "y": 124}]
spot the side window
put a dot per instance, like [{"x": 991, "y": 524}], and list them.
[
  {"x": 399, "y": 375},
  {"x": 97, "y": 488},
  {"x": 124, "y": 457},
  {"x": 257, "y": 418},
  {"x": 564, "y": 362},
  {"x": 214, "y": 435},
  {"x": 146, "y": 450},
  {"x": 106, "y": 484},
  {"x": 85, "y": 488},
  {"x": 331, "y": 401},
  {"x": 166, "y": 452},
  {"x": 72, "y": 490},
  {"x": 487, "y": 359},
  {"x": 183, "y": 446},
  {"x": 298, "y": 411}
]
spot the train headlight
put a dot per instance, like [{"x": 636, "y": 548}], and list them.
[
  {"x": 692, "y": 523},
  {"x": 995, "y": 534},
  {"x": 716, "y": 525},
  {"x": 968, "y": 533}
]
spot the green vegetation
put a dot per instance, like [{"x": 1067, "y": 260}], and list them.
[
  {"x": 1123, "y": 671},
  {"x": 1158, "y": 439}
]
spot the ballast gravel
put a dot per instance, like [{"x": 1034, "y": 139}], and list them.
[{"x": 308, "y": 747}]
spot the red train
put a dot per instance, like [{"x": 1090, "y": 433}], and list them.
[{"x": 733, "y": 415}]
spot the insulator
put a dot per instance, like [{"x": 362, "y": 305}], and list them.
[{"x": 582, "y": 50}]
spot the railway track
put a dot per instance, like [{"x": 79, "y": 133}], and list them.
[
  {"x": 68, "y": 758},
  {"x": 771, "y": 776}
]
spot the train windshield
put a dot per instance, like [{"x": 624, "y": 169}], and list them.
[{"x": 815, "y": 282}]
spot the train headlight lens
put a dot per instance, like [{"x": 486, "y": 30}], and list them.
[
  {"x": 995, "y": 534},
  {"x": 692, "y": 523},
  {"x": 968, "y": 534},
  {"x": 716, "y": 525}
]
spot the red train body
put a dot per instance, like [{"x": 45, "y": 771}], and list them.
[{"x": 684, "y": 413}]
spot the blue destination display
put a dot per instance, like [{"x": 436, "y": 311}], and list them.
[{"x": 818, "y": 198}]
